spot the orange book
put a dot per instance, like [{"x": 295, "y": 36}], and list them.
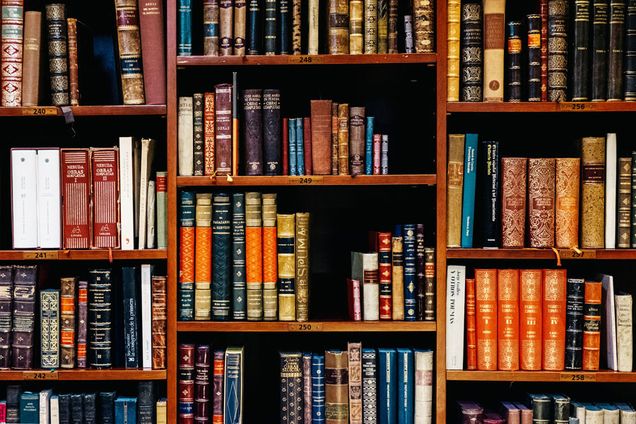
[
  {"x": 508, "y": 319},
  {"x": 554, "y": 304},
  {"x": 592, "y": 325},
  {"x": 471, "y": 336},
  {"x": 486, "y": 317},
  {"x": 254, "y": 255},
  {"x": 530, "y": 323},
  {"x": 203, "y": 240}
]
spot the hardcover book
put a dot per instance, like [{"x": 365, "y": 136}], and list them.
[
  {"x": 24, "y": 216},
  {"x": 159, "y": 322},
  {"x": 534, "y": 57},
  {"x": 185, "y": 382},
  {"x": 339, "y": 26},
  {"x": 364, "y": 268},
  {"x": 221, "y": 256},
  {"x": 318, "y": 389},
  {"x": 82, "y": 323},
  {"x": 405, "y": 385},
  {"x": 410, "y": 272},
  {"x": 369, "y": 386},
  {"x": 12, "y": 53},
  {"x": 202, "y": 257},
  {"x": 6, "y": 297},
  {"x": 336, "y": 387},
  {"x": 131, "y": 320},
  {"x": 567, "y": 201},
  {"x": 76, "y": 183},
  {"x": 270, "y": 258},
  {"x": 468, "y": 204},
  {"x": 302, "y": 266},
  {"x": 424, "y": 16},
  {"x": 557, "y": 50},
  {"x": 385, "y": 272},
  {"x": 226, "y": 15},
  {"x": 31, "y": 57},
  {"x": 105, "y": 192},
  {"x": 253, "y": 129},
  {"x": 486, "y": 315},
  {"x": 387, "y": 386},
  {"x": 254, "y": 255},
  {"x": 154, "y": 57},
  {"x": 624, "y": 223},
  {"x": 58, "y": 53},
  {"x": 455, "y": 303},
  {"x": 67, "y": 325},
  {"x": 513, "y": 201},
  {"x": 574, "y": 324},
  {"x": 624, "y": 338},
  {"x": 48, "y": 197},
  {"x": 453, "y": 26},
  {"x": 593, "y": 193},
  {"x": 581, "y": 47},
  {"x": 471, "y": 325},
  {"x": 291, "y": 388},
  {"x": 488, "y": 214},
  {"x": 223, "y": 131},
  {"x": 455, "y": 181},
  {"x": 494, "y": 41},
  {"x": 423, "y": 386},
  {"x": 197, "y": 134},
  {"x": 513, "y": 62},
  {"x": 272, "y": 132},
  {"x": 233, "y": 394},
  {"x": 600, "y": 19},
  {"x": 184, "y": 42},
  {"x": 307, "y": 386},
  {"x": 610, "y": 191},
  {"x": 100, "y": 318},
  {"x": 321, "y": 136},
  {"x": 507, "y": 319},
  {"x": 186, "y": 255},
  {"x": 615, "y": 68},
  {"x": 129, "y": 41},
  {"x": 355, "y": 382},
  {"x": 23, "y": 325},
  {"x": 471, "y": 57},
  {"x": 239, "y": 310},
  {"x": 541, "y": 183},
  {"x": 202, "y": 383},
  {"x": 397, "y": 277},
  {"x": 554, "y": 315},
  {"x": 592, "y": 325},
  {"x": 49, "y": 326},
  {"x": 286, "y": 267}
]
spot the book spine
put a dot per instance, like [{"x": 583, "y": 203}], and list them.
[
  {"x": 271, "y": 134},
  {"x": 508, "y": 319},
  {"x": 355, "y": 382},
  {"x": 218, "y": 386},
  {"x": 543, "y": 12},
  {"x": 410, "y": 272},
  {"x": 226, "y": 14},
  {"x": 202, "y": 384},
  {"x": 397, "y": 277},
  {"x": 49, "y": 328},
  {"x": 314, "y": 21},
  {"x": 339, "y": 26},
  {"x": 424, "y": 15},
  {"x": 185, "y": 136},
  {"x": 581, "y": 47},
  {"x": 409, "y": 44},
  {"x": 615, "y": 50},
  {"x": 307, "y": 387},
  {"x": 76, "y": 172},
  {"x": 554, "y": 313},
  {"x": 541, "y": 196},
  {"x": 100, "y": 318},
  {"x": 145, "y": 402},
  {"x": 557, "y": 50},
  {"x": 254, "y": 35},
  {"x": 253, "y": 130},
  {"x": 283, "y": 27},
  {"x": 293, "y": 166},
  {"x": 58, "y": 53},
  {"x": 77, "y": 409},
  {"x": 356, "y": 27},
  {"x": 128, "y": 37},
  {"x": 73, "y": 69},
  {"x": 221, "y": 239},
  {"x": 574, "y": 324},
  {"x": 633, "y": 202},
  {"x": 300, "y": 147},
  {"x": 568, "y": 171},
  {"x": 384, "y": 155},
  {"x": 105, "y": 190},
  {"x": 209, "y": 131},
  {"x": 453, "y": 27},
  {"x": 335, "y": 145},
  {"x": 624, "y": 338},
  {"x": 455, "y": 303},
  {"x": 423, "y": 386},
  {"x": 67, "y": 324},
  {"x": 184, "y": 43},
  {"x": 106, "y": 407},
  {"x": 197, "y": 134},
  {"x": 343, "y": 139},
  {"x": 369, "y": 386},
  {"x": 534, "y": 57},
  {"x": 513, "y": 202},
  {"x": 296, "y": 27},
  {"x": 185, "y": 383},
  {"x": 471, "y": 329},
  {"x": 48, "y": 199},
  {"x": 336, "y": 387},
  {"x": 383, "y": 26},
  {"x": 254, "y": 255},
  {"x": 31, "y": 65},
  {"x": 270, "y": 258},
  {"x": 238, "y": 257},
  {"x": 223, "y": 133},
  {"x": 24, "y": 181},
  {"x": 471, "y": 54},
  {"x": 486, "y": 314},
  {"x": 405, "y": 385},
  {"x": 513, "y": 64},
  {"x": 270, "y": 27},
  {"x": 454, "y": 184},
  {"x": 318, "y": 389},
  {"x": 356, "y": 140},
  {"x": 82, "y": 321},
  {"x": 286, "y": 267},
  {"x": 321, "y": 137},
  {"x": 624, "y": 201},
  {"x": 239, "y": 27},
  {"x": 6, "y": 296},
  {"x": 187, "y": 237},
  {"x": 232, "y": 408},
  {"x": 468, "y": 204},
  {"x": 368, "y": 146},
  {"x": 154, "y": 60},
  {"x": 291, "y": 388},
  {"x": 12, "y": 53},
  {"x": 494, "y": 40},
  {"x": 202, "y": 256},
  {"x": 429, "y": 284},
  {"x": 371, "y": 26},
  {"x": 285, "y": 155},
  {"x": 90, "y": 411},
  {"x": 592, "y": 325},
  {"x": 211, "y": 27},
  {"x": 600, "y": 19},
  {"x": 392, "y": 27},
  {"x": 387, "y": 386},
  {"x": 307, "y": 146},
  {"x": 593, "y": 192},
  {"x": 420, "y": 269},
  {"x": 385, "y": 272},
  {"x": 302, "y": 266},
  {"x": 610, "y": 191},
  {"x": 159, "y": 322},
  {"x": 162, "y": 208},
  {"x": 630, "y": 52}
]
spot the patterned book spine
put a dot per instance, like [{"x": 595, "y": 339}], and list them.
[
  {"x": 284, "y": 23},
  {"x": 202, "y": 384},
  {"x": 184, "y": 43},
  {"x": 383, "y": 26},
  {"x": 471, "y": 330},
  {"x": 186, "y": 383},
  {"x": 49, "y": 328},
  {"x": 567, "y": 201},
  {"x": 221, "y": 239},
  {"x": 592, "y": 325},
  {"x": 508, "y": 319},
  {"x": 318, "y": 389},
  {"x": 129, "y": 39},
  {"x": 633, "y": 202},
  {"x": 600, "y": 19},
  {"x": 339, "y": 26},
  {"x": 409, "y": 44},
  {"x": 392, "y": 27},
  {"x": 233, "y": 400},
  {"x": 159, "y": 322},
  {"x": 303, "y": 269},
  {"x": 581, "y": 47},
  {"x": 12, "y": 35},
  {"x": 513, "y": 66},
  {"x": 6, "y": 296},
  {"x": 187, "y": 237},
  {"x": 369, "y": 386},
  {"x": 270, "y": 27},
  {"x": 384, "y": 155},
  {"x": 541, "y": 183},
  {"x": 615, "y": 50},
  {"x": 420, "y": 269},
  {"x": 593, "y": 193},
  {"x": 211, "y": 27},
  {"x": 385, "y": 272},
  {"x": 76, "y": 198},
  {"x": 355, "y": 27},
  {"x": 471, "y": 57},
  {"x": 630, "y": 52},
  {"x": 296, "y": 27},
  {"x": 100, "y": 318},
  {"x": 557, "y": 50},
  {"x": 453, "y": 26},
  {"x": 335, "y": 145},
  {"x": 429, "y": 284},
  {"x": 271, "y": 131},
  {"x": 356, "y": 140},
  {"x": 574, "y": 324},
  {"x": 31, "y": 65},
  {"x": 58, "y": 53},
  {"x": 336, "y": 390},
  {"x": 530, "y": 333},
  {"x": 291, "y": 388},
  {"x": 424, "y": 12},
  {"x": 254, "y": 36},
  {"x": 105, "y": 190},
  {"x": 239, "y": 27},
  {"x": 534, "y": 58},
  {"x": 371, "y": 26},
  {"x": 226, "y": 13},
  {"x": 494, "y": 41},
  {"x": 410, "y": 272},
  {"x": 307, "y": 388},
  {"x": 624, "y": 201},
  {"x": 238, "y": 256},
  {"x": 218, "y": 387},
  {"x": 223, "y": 131},
  {"x": 286, "y": 267},
  {"x": 253, "y": 130},
  {"x": 397, "y": 277},
  {"x": 454, "y": 184},
  {"x": 67, "y": 327},
  {"x": 343, "y": 139},
  {"x": 202, "y": 257},
  {"x": 73, "y": 67},
  {"x": 377, "y": 160},
  {"x": 293, "y": 166},
  {"x": 208, "y": 134},
  {"x": 270, "y": 258},
  {"x": 197, "y": 133},
  {"x": 82, "y": 322},
  {"x": 254, "y": 255},
  {"x": 486, "y": 313},
  {"x": 355, "y": 382},
  {"x": 554, "y": 305},
  {"x": 513, "y": 202}
]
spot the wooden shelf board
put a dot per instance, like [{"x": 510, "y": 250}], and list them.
[
  {"x": 82, "y": 375},
  {"x": 305, "y": 327},
  {"x": 541, "y": 107},
  {"x": 324, "y": 180},
  {"x": 565, "y": 254},
  {"x": 544, "y": 376},
  {"x": 323, "y": 59},
  {"x": 106, "y": 110},
  {"x": 79, "y": 255}
]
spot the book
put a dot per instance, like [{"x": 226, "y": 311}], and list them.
[
  {"x": 370, "y": 26},
  {"x": 76, "y": 177},
  {"x": 151, "y": 215},
  {"x": 624, "y": 338},
  {"x": 494, "y": 32},
  {"x": 146, "y": 316},
  {"x": 392, "y": 26},
  {"x": 574, "y": 324},
  {"x": 534, "y": 57},
  {"x": 580, "y": 52},
  {"x": 23, "y": 195},
  {"x": 424, "y": 16},
  {"x": 283, "y": 31},
  {"x": 318, "y": 388},
  {"x": 159, "y": 322},
  {"x": 184, "y": 42},
  {"x": 57, "y": 53},
  {"x": 126, "y": 409},
  {"x": 239, "y": 27},
  {"x": 471, "y": 54},
  {"x": 630, "y": 52},
  {"x": 293, "y": 146},
  {"x": 405, "y": 385},
  {"x": 147, "y": 157},
  {"x": 385, "y": 274},
  {"x": 397, "y": 274},
  {"x": 541, "y": 197},
  {"x": 567, "y": 201},
  {"x": 423, "y": 399},
  {"x": 223, "y": 120},
  {"x": 145, "y": 402},
  {"x": 356, "y": 39},
  {"x": 105, "y": 193},
  {"x": 209, "y": 131},
  {"x": 455, "y": 307},
  {"x": 321, "y": 136},
  {"x": 300, "y": 147},
  {"x": 23, "y": 322},
  {"x": 48, "y": 199},
  {"x": 615, "y": 68},
  {"x": 600, "y": 19},
  {"x": 307, "y": 387},
  {"x": 343, "y": 138},
  {"x": 608, "y": 312},
  {"x": 44, "y": 405},
  {"x": 29, "y": 407},
  {"x": 82, "y": 323},
  {"x": 488, "y": 213},
  {"x": 129, "y": 41},
  {"x": 468, "y": 203},
  {"x": 354, "y": 367},
  {"x": 471, "y": 325},
  {"x": 161, "y": 411},
  {"x": 286, "y": 246},
  {"x": 364, "y": 268},
  {"x": 554, "y": 315},
  {"x": 186, "y": 360},
  {"x": 592, "y": 192},
  {"x": 100, "y": 318},
  {"x": 291, "y": 387},
  {"x": 197, "y": 134},
  {"x": 49, "y": 327},
  {"x": 513, "y": 201},
  {"x": 127, "y": 197},
  {"x": 238, "y": 257},
  {"x": 513, "y": 61},
  {"x": 383, "y": 26},
  {"x": 296, "y": 32},
  {"x": 253, "y": 129},
  {"x": 387, "y": 386},
  {"x": 302, "y": 278},
  {"x": 270, "y": 258},
  {"x": 592, "y": 326},
  {"x": 336, "y": 387},
  {"x": 368, "y": 146},
  {"x": 211, "y": 27},
  {"x": 161, "y": 179},
  {"x": 31, "y": 57},
  {"x": 221, "y": 256},
  {"x": 369, "y": 385},
  {"x": 233, "y": 394},
  {"x": 6, "y": 297},
  {"x": 271, "y": 132},
  {"x": 557, "y": 50},
  {"x": 203, "y": 249},
  {"x": 453, "y": 28},
  {"x": 454, "y": 182},
  {"x": 610, "y": 191},
  {"x": 202, "y": 383},
  {"x": 12, "y": 52},
  {"x": 67, "y": 322},
  {"x": 73, "y": 66},
  {"x": 354, "y": 296},
  {"x": 338, "y": 40},
  {"x": 218, "y": 385},
  {"x": 624, "y": 198},
  {"x": 486, "y": 318},
  {"x": 226, "y": 16},
  {"x": 187, "y": 237},
  {"x": 507, "y": 318},
  {"x": 185, "y": 136},
  {"x": 153, "y": 57}
]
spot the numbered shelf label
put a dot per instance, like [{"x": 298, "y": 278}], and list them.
[
  {"x": 576, "y": 106},
  {"x": 580, "y": 377},
  {"x": 304, "y": 326},
  {"x": 39, "y": 111},
  {"x": 40, "y": 375},
  {"x": 573, "y": 254},
  {"x": 304, "y": 59},
  {"x": 311, "y": 180},
  {"x": 41, "y": 254}
]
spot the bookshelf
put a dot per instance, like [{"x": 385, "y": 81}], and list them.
[
  {"x": 83, "y": 375},
  {"x": 304, "y": 60}
]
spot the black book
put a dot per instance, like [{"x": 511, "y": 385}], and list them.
[
  {"x": 90, "y": 411},
  {"x": 574, "y": 324},
  {"x": 270, "y": 27},
  {"x": 561, "y": 409},
  {"x": 6, "y": 294},
  {"x": 272, "y": 144},
  {"x": 131, "y": 320},
  {"x": 77, "y": 408},
  {"x": 489, "y": 220},
  {"x": 24, "y": 282},
  {"x": 253, "y": 130},
  {"x": 197, "y": 114},
  {"x": 13, "y": 403},
  {"x": 284, "y": 23},
  {"x": 615, "y": 51},
  {"x": 541, "y": 405},
  {"x": 557, "y": 50},
  {"x": 146, "y": 403},
  {"x": 599, "y": 50},
  {"x": 513, "y": 62},
  {"x": 100, "y": 318},
  {"x": 534, "y": 58},
  {"x": 630, "y": 52},
  {"x": 633, "y": 205},
  {"x": 581, "y": 52},
  {"x": 471, "y": 57},
  {"x": 254, "y": 36},
  {"x": 64, "y": 400},
  {"x": 107, "y": 407}
]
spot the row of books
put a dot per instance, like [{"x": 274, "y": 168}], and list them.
[
  {"x": 335, "y": 140},
  {"x": 353, "y": 27},
  {"x": 533, "y": 319},
  {"x": 539, "y": 407},
  {"x": 586, "y": 54},
  {"x": 28, "y": 407},
  {"x": 240, "y": 259},
  {"x": 80, "y": 198},
  {"x": 84, "y": 323},
  {"x": 396, "y": 281},
  {"x": 70, "y": 44},
  {"x": 545, "y": 202},
  {"x": 205, "y": 397}
]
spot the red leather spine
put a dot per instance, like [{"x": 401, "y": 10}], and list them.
[
  {"x": 486, "y": 312},
  {"x": 471, "y": 331},
  {"x": 105, "y": 169},
  {"x": 307, "y": 146},
  {"x": 76, "y": 172},
  {"x": 152, "y": 49},
  {"x": 554, "y": 309},
  {"x": 384, "y": 268}
]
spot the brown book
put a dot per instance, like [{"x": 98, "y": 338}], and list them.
[
  {"x": 31, "y": 66},
  {"x": 308, "y": 160},
  {"x": 296, "y": 27},
  {"x": 541, "y": 185},
  {"x": 334, "y": 138},
  {"x": 530, "y": 322},
  {"x": 486, "y": 317},
  {"x": 67, "y": 323},
  {"x": 494, "y": 41},
  {"x": 471, "y": 337},
  {"x": 159, "y": 322},
  {"x": 209, "y": 131},
  {"x": 424, "y": 14},
  {"x": 592, "y": 325},
  {"x": 343, "y": 139},
  {"x": 129, "y": 39},
  {"x": 337, "y": 387},
  {"x": 226, "y": 12},
  {"x": 223, "y": 133},
  {"x": 371, "y": 26},
  {"x": 73, "y": 67},
  {"x": 357, "y": 139},
  {"x": 153, "y": 54},
  {"x": 392, "y": 27},
  {"x": 321, "y": 136},
  {"x": 239, "y": 27},
  {"x": 338, "y": 26},
  {"x": 355, "y": 382},
  {"x": 624, "y": 201},
  {"x": 554, "y": 310},
  {"x": 513, "y": 198},
  {"x": 593, "y": 193},
  {"x": 355, "y": 26},
  {"x": 454, "y": 186},
  {"x": 508, "y": 319},
  {"x": 568, "y": 171}
]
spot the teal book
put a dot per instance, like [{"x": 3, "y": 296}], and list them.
[
  {"x": 387, "y": 386},
  {"x": 405, "y": 386},
  {"x": 233, "y": 401},
  {"x": 470, "y": 179},
  {"x": 184, "y": 44},
  {"x": 29, "y": 408},
  {"x": 126, "y": 410},
  {"x": 368, "y": 146},
  {"x": 300, "y": 147},
  {"x": 221, "y": 256},
  {"x": 293, "y": 170}
]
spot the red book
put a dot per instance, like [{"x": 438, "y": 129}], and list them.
[
  {"x": 209, "y": 131},
  {"x": 486, "y": 313},
  {"x": 217, "y": 388},
  {"x": 530, "y": 312},
  {"x": 377, "y": 154},
  {"x": 592, "y": 325},
  {"x": 554, "y": 310},
  {"x": 105, "y": 171},
  {"x": 508, "y": 319},
  {"x": 471, "y": 336},
  {"x": 186, "y": 383},
  {"x": 307, "y": 145},
  {"x": 285, "y": 146},
  {"x": 152, "y": 49},
  {"x": 76, "y": 181},
  {"x": 224, "y": 127},
  {"x": 353, "y": 300},
  {"x": 385, "y": 271}
]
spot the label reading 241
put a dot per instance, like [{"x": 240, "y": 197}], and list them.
[{"x": 40, "y": 255}]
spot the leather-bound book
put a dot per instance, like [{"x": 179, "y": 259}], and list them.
[
  {"x": 6, "y": 296},
  {"x": 574, "y": 324},
  {"x": 271, "y": 132},
  {"x": 223, "y": 133},
  {"x": 226, "y": 15},
  {"x": 211, "y": 26},
  {"x": 184, "y": 38},
  {"x": 592, "y": 325},
  {"x": 77, "y": 408},
  {"x": 567, "y": 202},
  {"x": 106, "y": 407},
  {"x": 291, "y": 387},
  {"x": 383, "y": 26},
  {"x": 58, "y": 53},
  {"x": 471, "y": 329},
  {"x": 561, "y": 412},
  {"x": 129, "y": 41},
  {"x": 488, "y": 176},
  {"x": 335, "y": 146},
  {"x": 600, "y": 19},
  {"x": 296, "y": 28},
  {"x": 369, "y": 386},
  {"x": 67, "y": 322},
  {"x": 89, "y": 401},
  {"x": 455, "y": 180},
  {"x": 470, "y": 411},
  {"x": 221, "y": 256},
  {"x": 153, "y": 52},
  {"x": 31, "y": 58},
  {"x": 420, "y": 264},
  {"x": 513, "y": 201},
  {"x": 159, "y": 322},
  {"x": 73, "y": 66},
  {"x": 371, "y": 26},
  {"x": 454, "y": 13},
  {"x": 397, "y": 277},
  {"x": 270, "y": 27},
  {"x": 253, "y": 130},
  {"x": 284, "y": 24},
  {"x": 364, "y": 268},
  {"x": 513, "y": 62},
  {"x": 270, "y": 258},
  {"x": 486, "y": 316},
  {"x": 354, "y": 308},
  {"x": 554, "y": 312},
  {"x": 12, "y": 53},
  {"x": 593, "y": 193},
  {"x": 198, "y": 142},
  {"x": 254, "y": 34},
  {"x": 630, "y": 52},
  {"x": 185, "y": 382},
  {"x": 76, "y": 177},
  {"x": 209, "y": 130},
  {"x": 429, "y": 284},
  {"x": 624, "y": 201},
  {"x": 615, "y": 50},
  {"x": 218, "y": 387},
  {"x": 185, "y": 136},
  {"x": 105, "y": 190},
  {"x": 343, "y": 139},
  {"x": 355, "y": 27},
  {"x": 307, "y": 154},
  {"x": 471, "y": 57},
  {"x": 558, "y": 50},
  {"x": 355, "y": 382},
  {"x": 239, "y": 28},
  {"x": 508, "y": 319},
  {"x": 286, "y": 267},
  {"x": 145, "y": 402},
  {"x": 530, "y": 321},
  {"x": 392, "y": 27},
  {"x": 494, "y": 41},
  {"x": 543, "y": 12},
  {"x": 581, "y": 51},
  {"x": 633, "y": 202},
  {"x": 314, "y": 18},
  {"x": 82, "y": 322},
  {"x": 49, "y": 327},
  {"x": 285, "y": 156},
  {"x": 624, "y": 337},
  {"x": 541, "y": 186},
  {"x": 302, "y": 266},
  {"x": 307, "y": 386},
  {"x": 385, "y": 273},
  {"x": 202, "y": 257},
  {"x": 187, "y": 243},
  {"x": 239, "y": 294},
  {"x": 254, "y": 255},
  {"x": 356, "y": 140},
  {"x": 202, "y": 383},
  {"x": 338, "y": 26},
  {"x": 534, "y": 57},
  {"x": 100, "y": 318},
  {"x": 410, "y": 260},
  {"x": 321, "y": 136},
  {"x": 424, "y": 15},
  {"x": 336, "y": 387}
]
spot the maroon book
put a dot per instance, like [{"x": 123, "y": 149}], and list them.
[
  {"x": 217, "y": 394},
  {"x": 76, "y": 180},
  {"x": 202, "y": 384},
  {"x": 153, "y": 54},
  {"x": 105, "y": 171},
  {"x": 307, "y": 145},
  {"x": 186, "y": 383},
  {"x": 285, "y": 146},
  {"x": 353, "y": 300},
  {"x": 223, "y": 135},
  {"x": 253, "y": 131}
]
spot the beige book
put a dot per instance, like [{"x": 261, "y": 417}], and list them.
[
  {"x": 31, "y": 67},
  {"x": 593, "y": 193},
  {"x": 397, "y": 279},
  {"x": 314, "y": 17},
  {"x": 303, "y": 270},
  {"x": 494, "y": 42},
  {"x": 454, "y": 186},
  {"x": 270, "y": 274},
  {"x": 355, "y": 26},
  {"x": 624, "y": 338}
]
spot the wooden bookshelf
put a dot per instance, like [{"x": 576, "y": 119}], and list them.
[
  {"x": 306, "y": 327},
  {"x": 108, "y": 110},
  {"x": 310, "y": 180},
  {"x": 544, "y": 376},
  {"x": 83, "y": 255},
  {"x": 540, "y": 107},
  {"x": 322, "y": 59},
  {"x": 564, "y": 254},
  {"x": 82, "y": 375}
]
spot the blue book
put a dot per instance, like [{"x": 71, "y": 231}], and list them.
[
  {"x": 369, "y": 386},
  {"x": 184, "y": 44},
  {"x": 233, "y": 393},
  {"x": 29, "y": 408},
  {"x": 387, "y": 382},
  {"x": 300, "y": 147},
  {"x": 470, "y": 178},
  {"x": 221, "y": 262},
  {"x": 318, "y": 389},
  {"x": 406, "y": 386},
  {"x": 368, "y": 147},
  {"x": 292, "y": 147},
  {"x": 126, "y": 410},
  {"x": 186, "y": 288},
  {"x": 131, "y": 322},
  {"x": 238, "y": 257},
  {"x": 410, "y": 272}
]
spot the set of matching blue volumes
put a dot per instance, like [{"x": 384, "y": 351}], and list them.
[{"x": 47, "y": 407}]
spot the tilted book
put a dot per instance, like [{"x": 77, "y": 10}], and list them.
[
  {"x": 593, "y": 193},
  {"x": 608, "y": 317},
  {"x": 131, "y": 318},
  {"x": 286, "y": 267},
  {"x": 203, "y": 257},
  {"x": 336, "y": 387},
  {"x": 592, "y": 313},
  {"x": 554, "y": 310},
  {"x": 541, "y": 186},
  {"x": 105, "y": 192},
  {"x": 291, "y": 387},
  {"x": 187, "y": 239},
  {"x": 513, "y": 201},
  {"x": 145, "y": 170},
  {"x": 67, "y": 326},
  {"x": 455, "y": 303},
  {"x": 221, "y": 256},
  {"x": 568, "y": 172},
  {"x": 129, "y": 41},
  {"x": 254, "y": 255},
  {"x": 486, "y": 314},
  {"x": 508, "y": 319},
  {"x": 355, "y": 382},
  {"x": 574, "y": 324},
  {"x": 233, "y": 394},
  {"x": 49, "y": 327},
  {"x": 270, "y": 258},
  {"x": 238, "y": 257},
  {"x": 494, "y": 41}
]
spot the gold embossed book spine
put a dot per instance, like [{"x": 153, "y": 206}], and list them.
[
  {"x": 355, "y": 27},
  {"x": 254, "y": 255},
  {"x": 424, "y": 26},
  {"x": 541, "y": 186},
  {"x": 383, "y": 26},
  {"x": 338, "y": 26},
  {"x": 568, "y": 171},
  {"x": 58, "y": 53},
  {"x": 270, "y": 258},
  {"x": 203, "y": 257},
  {"x": 343, "y": 139},
  {"x": 129, "y": 41},
  {"x": 557, "y": 50},
  {"x": 392, "y": 27},
  {"x": 513, "y": 198},
  {"x": 302, "y": 266},
  {"x": 67, "y": 322},
  {"x": 296, "y": 27},
  {"x": 453, "y": 49},
  {"x": 12, "y": 36},
  {"x": 593, "y": 193},
  {"x": 240, "y": 10},
  {"x": 286, "y": 267},
  {"x": 73, "y": 65},
  {"x": 624, "y": 201}
]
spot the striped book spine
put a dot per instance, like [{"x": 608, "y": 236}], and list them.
[
  {"x": 202, "y": 259},
  {"x": 355, "y": 382},
  {"x": 409, "y": 272},
  {"x": 307, "y": 386},
  {"x": 211, "y": 27},
  {"x": 186, "y": 256},
  {"x": 384, "y": 269},
  {"x": 318, "y": 389},
  {"x": 197, "y": 133},
  {"x": 302, "y": 266},
  {"x": 186, "y": 383},
  {"x": 221, "y": 262},
  {"x": 254, "y": 255},
  {"x": 286, "y": 268},
  {"x": 238, "y": 257},
  {"x": 49, "y": 329},
  {"x": 12, "y": 34},
  {"x": 58, "y": 53},
  {"x": 369, "y": 386},
  {"x": 6, "y": 291},
  {"x": 67, "y": 327},
  {"x": 270, "y": 258}
]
